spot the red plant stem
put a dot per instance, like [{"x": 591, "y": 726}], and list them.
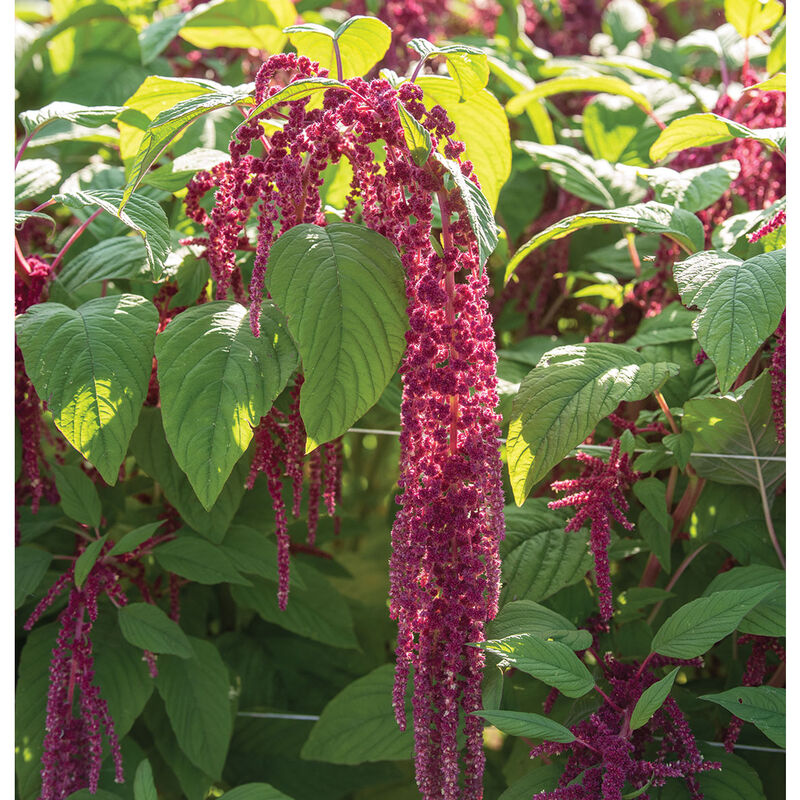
[
  {"x": 608, "y": 700},
  {"x": 779, "y": 677},
  {"x": 23, "y": 145},
  {"x": 450, "y": 286},
  {"x": 644, "y": 664},
  {"x": 21, "y": 264},
  {"x": 637, "y": 262},
  {"x": 667, "y": 413},
  {"x": 74, "y": 237},
  {"x": 298, "y": 547},
  {"x": 43, "y": 205},
  {"x": 339, "y": 70},
  {"x": 671, "y": 481}
]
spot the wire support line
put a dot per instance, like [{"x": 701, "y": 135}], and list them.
[
  {"x": 603, "y": 448},
  {"x": 315, "y": 717}
]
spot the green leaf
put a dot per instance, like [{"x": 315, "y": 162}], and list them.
[
  {"x": 534, "y": 726},
  {"x": 166, "y": 127},
  {"x": 704, "y": 130},
  {"x": 693, "y": 189},
  {"x": 318, "y": 612},
  {"x": 87, "y": 116},
  {"x": 624, "y": 21},
  {"x": 78, "y": 494},
  {"x": 418, "y": 140},
  {"x": 699, "y": 625},
  {"x": 100, "y": 794},
  {"x": 20, "y": 217},
  {"x": 768, "y": 618},
  {"x": 673, "y": 324},
  {"x": 538, "y": 557},
  {"x": 148, "y": 627},
  {"x": 30, "y": 566},
  {"x": 681, "y": 445},
  {"x": 657, "y": 537},
  {"x": 142, "y": 215},
  {"x": 358, "y": 725},
  {"x": 195, "y": 693},
  {"x": 252, "y": 553},
  {"x": 589, "y": 83},
  {"x": 525, "y": 616},
  {"x": 87, "y": 559},
  {"x": 481, "y": 124},
  {"x": 362, "y": 42},
  {"x": 479, "y": 213},
  {"x": 652, "y": 699},
  {"x": 155, "y": 38},
  {"x": 297, "y": 90},
  {"x": 595, "y": 181},
  {"x": 149, "y": 447},
  {"x": 255, "y": 791},
  {"x": 144, "y": 787},
  {"x": 750, "y": 17},
  {"x": 740, "y": 302},
  {"x": 540, "y": 779},
  {"x": 737, "y": 424},
  {"x": 551, "y": 662},
  {"x": 562, "y": 399},
  {"x": 681, "y": 226},
  {"x": 342, "y": 290},
  {"x": 119, "y": 257},
  {"x": 33, "y": 177},
  {"x": 217, "y": 380},
  {"x": 131, "y": 540},
  {"x": 651, "y": 493},
  {"x": 764, "y": 706},
  {"x": 776, "y": 83},
  {"x": 776, "y": 59},
  {"x": 198, "y": 560},
  {"x": 239, "y": 23},
  {"x": 468, "y": 66},
  {"x": 92, "y": 366}
]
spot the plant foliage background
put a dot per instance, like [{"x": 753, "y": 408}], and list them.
[{"x": 208, "y": 398}]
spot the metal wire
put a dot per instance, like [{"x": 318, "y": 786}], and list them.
[{"x": 588, "y": 448}]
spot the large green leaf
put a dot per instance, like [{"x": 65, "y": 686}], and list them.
[
  {"x": 358, "y": 725},
  {"x": 481, "y": 124},
  {"x": 704, "y": 130},
  {"x": 144, "y": 788},
  {"x": 768, "y": 618},
  {"x": 479, "y": 213},
  {"x": 141, "y": 214},
  {"x": 740, "y": 302},
  {"x": 318, "y": 612},
  {"x": 551, "y": 662},
  {"x": 87, "y": 116},
  {"x": 535, "y": 726},
  {"x": 149, "y": 447},
  {"x": 195, "y": 692},
  {"x": 695, "y": 627},
  {"x": 418, "y": 140},
  {"x": 92, "y": 367},
  {"x": 652, "y": 699},
  {"x": 198, "y": 560},
  {"x": 239, "y": 23},
  {"x": 594, "y": 180},
  {"x": 681, "y": 226},
  {"x": 569, "y": 83},
  {"x": 764, "y": 706},
  {"x": 562, "y": 399},
  {"x": 692, "y": 189},
  {"x": 217, "y": 380},
  {"x": 166, "y": 127},
  {"x": 34, "y": 176},
  {"x": 30, "y": 566},
  {"x": 342, "y": 290},
  {"x": 78, "y": 495},
  {"x": 361, "y": 41},
  {"x": 525, "y": 616},
  {"x": 739, "y": 424},
  {"x": 118, "y": 257},
  {"x": 255, "y": 791},
  {"x": 468, "y": 66},
  {"x": 750, "y": 17},
  {"x": 147, "y": 626}
]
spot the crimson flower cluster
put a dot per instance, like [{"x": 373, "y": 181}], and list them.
[
  {"x": 599, "y": 496},
  {"x": 73, "y": 744},
  {"x": 445, "y": 567},
  {"x": 606, "y": 753}
]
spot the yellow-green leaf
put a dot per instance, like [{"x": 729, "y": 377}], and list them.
[{"x": 750, "y": 17}]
